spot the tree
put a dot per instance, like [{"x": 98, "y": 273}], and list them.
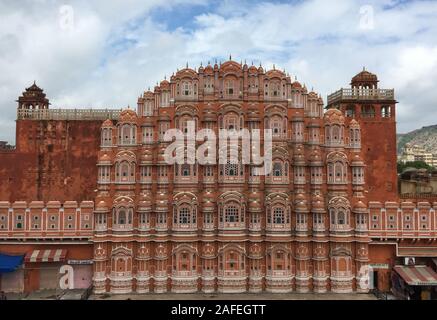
[{"x": 413, "y": 164}]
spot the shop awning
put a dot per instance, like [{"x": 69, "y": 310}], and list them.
[
  {"x": 54, "y": 255},
  {"x": 417, "y": 275},
  {"x": 10, "y": 263}
]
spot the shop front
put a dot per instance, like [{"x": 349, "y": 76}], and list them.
[
  {"x": 56, "y": 272},
  {"x": 11, "y": 273},
  {"x": 414, "y": 282}
]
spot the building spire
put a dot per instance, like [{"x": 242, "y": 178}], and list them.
[{"x": 230, "y": 57}]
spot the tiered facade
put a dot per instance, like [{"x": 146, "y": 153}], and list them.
[{"x": 185, "y": 228}]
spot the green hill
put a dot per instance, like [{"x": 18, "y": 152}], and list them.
[{"x": 425, "y": 137}]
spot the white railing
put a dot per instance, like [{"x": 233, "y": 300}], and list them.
[
  {"x": 231, "y": 225},
  {"x": 208, "y": 273},
  {"x": 319, "y": 227},
  {"x": 361, "y": 94},
  {"x": 302, "y": 227},
  {"x": 68, "y": 114},
  {"x": 101, "y": 227},
  {"x": 99, "y": 276},
  {"x": 120, "y": 275},
  {"x": 122, "y": 227},
  {"x": 232, "y": 273},
  {"x": 184, "y": 274},
  {"x": 278, "y": 273},
  {"x": 278, "y": 227},
  {"x": 184, "y": 227},
  {"x": 254, "y": 226},
  {"x": 208, "y": 227}
]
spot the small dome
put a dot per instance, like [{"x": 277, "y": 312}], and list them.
[
  {"x": 275, "y": 73},
  {"x": 147, "y": 156},
  {"x": 357, "y": 160},
  {"x": 318, "y": 202},
  {"x": 296, "y": 85},
  {"x": 104, "y": 158},
  {"x": 102, "y": 206},
  {"x": 164, "y": 84},
  {"x": 299, "y": 154},
  {"x": 128, "y": 115},
  {"x": 313, "y": 95},
  {"x": 365, "y": 76},
  {"x": 334, "y": 116},
  {"x": 315, "y": 155},
  {"x": 107, "y": 124},
  {"x": 145, "y": 203},
  {"x": 208, "y": 69},
  {"x": 253, "y": 70},
  {"x": 300, "y": 203},
  {"x": 360, "y": 207},
  {"x": 354, "y": 124}
]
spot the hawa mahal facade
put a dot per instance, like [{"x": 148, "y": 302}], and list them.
[{"x": 94, "y": 184}]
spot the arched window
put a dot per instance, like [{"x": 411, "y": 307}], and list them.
[
  {"x": 277, "y": 169},
  {"x": 386, "y": 111},
  {"x": 335, "y": 133},
  {"x": 185, "y": 170},
  {"x": 231, "y": 214},
  {"x": 187, "y": 88},
  {"x": 184, "y": 215},
  {"x": 122, "y": 216},
  {"x": 355, "y": 137},
  {"x": 106, "y": 137},
  {"x": 337, "y": 168},
  {"x": 125, "y": 172},
  {"x": 127, "y": 134},
  {"x": 339, "y": 217},
  {"x": 276, "y": 123},
  {"x": 275, "y": 89},
  {"x": 229, "y": 87},
  {"x": 231, "y": 121},
  {"x": 350, "y": 111},
  {"x": 232, "y": 169},
  {"x": 340, "y": 172},
  {"x": 184, "y": 121},
  {"x": 148, "y": 107},
  {"x": 278, "y": 215},
  {"x": 368, "y": 112}
]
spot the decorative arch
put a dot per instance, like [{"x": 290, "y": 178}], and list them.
[
  {"x": 339, "y": 211},
  {"x": 337, "y": 167}
]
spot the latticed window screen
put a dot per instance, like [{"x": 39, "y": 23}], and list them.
[{"x": 231, "y": 214}]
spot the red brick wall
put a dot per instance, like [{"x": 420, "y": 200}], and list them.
[{"x": 54, "y": 160}]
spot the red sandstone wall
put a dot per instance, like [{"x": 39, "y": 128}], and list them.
[
  {"x": 378, "y": 138},
  {"x": 54, "y": 160}
]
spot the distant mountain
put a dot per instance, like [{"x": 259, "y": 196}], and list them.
[{"x": 425, "y": 137}]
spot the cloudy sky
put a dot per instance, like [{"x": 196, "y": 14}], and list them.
[{"x": 103, "y": 54}]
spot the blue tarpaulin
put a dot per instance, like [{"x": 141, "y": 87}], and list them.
[{"x": 10, "y": 263}]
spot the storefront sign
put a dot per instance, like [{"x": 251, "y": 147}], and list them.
[
  {"x": 379, "y": 265},
  {"x": 71, "y": 262}
]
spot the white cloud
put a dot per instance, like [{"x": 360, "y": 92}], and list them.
[{"x": 116, "y": 49}]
